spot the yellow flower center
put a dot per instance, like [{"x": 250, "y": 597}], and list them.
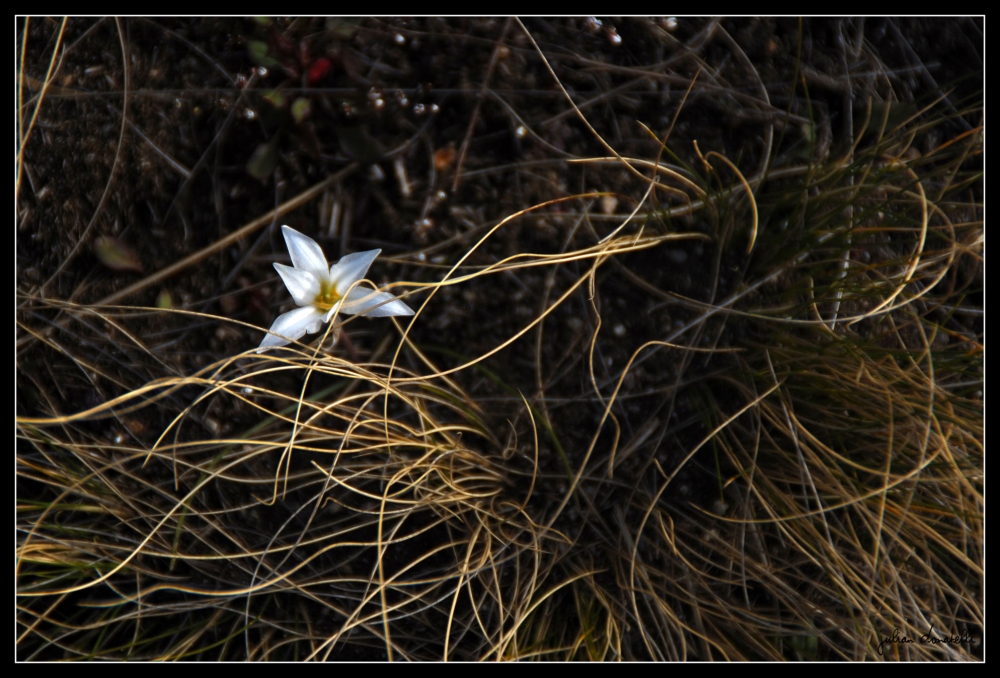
[{"x": 327, "y": 296}]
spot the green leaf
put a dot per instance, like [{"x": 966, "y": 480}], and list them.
[
  {"x": 359, "y": 144},
  {"x": 264, "y": 160},
  {"x": 116, "y": 255},
  {"x": 258, "y": 54},
  {"x": 276, "y": 98},
  {"x": 301, "y": 109},
  {"x": 342, "y": 27}
]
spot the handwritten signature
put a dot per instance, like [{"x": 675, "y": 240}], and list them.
[{"x": 927, "y": 639}]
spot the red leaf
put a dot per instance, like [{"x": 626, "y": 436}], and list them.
[{"x": 318, "y": 70}]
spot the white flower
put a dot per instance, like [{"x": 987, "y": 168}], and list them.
[{"x": 320, "y": 292}]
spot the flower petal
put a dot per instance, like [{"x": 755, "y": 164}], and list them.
[
  {"x": 364, "y": 301},
  {"x": 335, "y": 309},
  {"x": 291, "y": 326},
  {"x": 306, "y": 253},
  {"x": 302, "y": 285},
  {"x": 351, "y": 268}
]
